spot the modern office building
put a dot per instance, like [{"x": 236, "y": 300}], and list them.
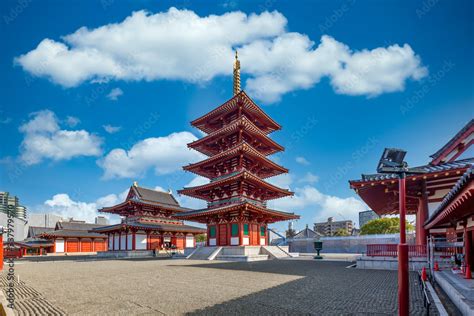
[
  {"x": 330, "y": 227},
  {"x": 46, "y": 220},
  {"x": 10, "y": 203},
  {"x": 366, "y": 216}
]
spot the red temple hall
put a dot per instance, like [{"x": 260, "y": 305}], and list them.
[
  {"x": 237, "y": 145},
  {"x": 148, "y": 222}
]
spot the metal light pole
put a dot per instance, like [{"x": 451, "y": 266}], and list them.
[{"x": 392, "y": 162}]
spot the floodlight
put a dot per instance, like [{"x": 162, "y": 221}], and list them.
[{"x": 392, "y": 161}]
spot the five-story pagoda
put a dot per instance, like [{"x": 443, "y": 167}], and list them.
[{"x": 237, "y": 146}]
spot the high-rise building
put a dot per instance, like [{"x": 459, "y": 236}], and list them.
[
  {"x": 43, "y": 220},
  {"x": 101, "y": 220},
  {"x": 10, "y": 203},
  {"x": 330, "y": 227},
  {"x": 366, "y": 216}
]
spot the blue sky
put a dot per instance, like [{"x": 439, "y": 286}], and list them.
[{"x": 86, "y": 112}]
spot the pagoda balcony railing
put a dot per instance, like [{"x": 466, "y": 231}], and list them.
[
  {"x": 235, "y": 200},
  {"x": 390, "y": 250}
]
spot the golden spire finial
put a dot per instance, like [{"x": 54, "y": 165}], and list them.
[{"x": 236, "y": 74}]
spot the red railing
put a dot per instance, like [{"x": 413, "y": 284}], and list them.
[{"x": 390, "y": 250}]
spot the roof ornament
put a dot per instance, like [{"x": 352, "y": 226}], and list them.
[
  {"x": 236, "y": 74},
  {"x": 135, "y": 183}
]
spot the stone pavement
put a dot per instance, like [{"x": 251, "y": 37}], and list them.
[
  {"x": 150, "y": 287},
  {"x": 28, "y": 301}
]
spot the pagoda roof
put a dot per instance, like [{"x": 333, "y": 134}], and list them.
[
  {"x": 151, "y": 226},
  {"x": 249, "y": 127},
  {"x": 71, "y": 233},
  {"x": 460, "y": 164},
  {"x": 456, "y": 145},
  {"x": 238, "y": 148},
  {"x": 246, "y": 206},
  {"x": 448, "y": 208},
  {"x": 268, "y": 124},
  {"x": 145, "y": 197},
  {"x": 233, "y": 177},
  {"x": 149, "y": 195}
]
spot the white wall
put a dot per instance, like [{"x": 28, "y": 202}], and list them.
[
  {"x": 130, "y": 242},
  {"x": 111, "y": 236},
  {"x": 116, "y": 241},
  {"x": 59, "y": 245},
  {"x": 123, "y": 241},
  {"x": 189, "y": 242},
  {"x": 140, "y": 242}
]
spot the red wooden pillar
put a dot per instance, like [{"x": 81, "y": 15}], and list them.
[
  {"x": 113, "y": 241},
  {"x": 54, "y": 246},
  {"x": 467, "y": 247},
  {"x": 126, "y": 240},
  {"x": 217, "y": 235},
  {"x": 208, "y": 236},
  {"x": 134, "y": 240},
  {"x": 241, "y": 233},
  {"x": 229, "y": 233},
  {"x": 1, "y": 250},
  {"x": 421, "y": 217}
]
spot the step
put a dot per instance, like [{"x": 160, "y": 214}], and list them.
[{"x": 242, "y": 258}]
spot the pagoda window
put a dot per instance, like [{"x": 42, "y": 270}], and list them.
[
  {"x": 246, "y": 229},
  {"x": 262, "y": 231},
  {"x": 212, "y": 231},
  {"x": 235, "y": 230}
]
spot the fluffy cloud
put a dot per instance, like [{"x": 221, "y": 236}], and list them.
[
  {"x": 111, "y": 129},
  {"x": 180, "y": 45},
  {"x": 114, "y": 94},
  {"x": 191, "y": 202},
  {"x": 44, "y": 139},
  {"x": 72, "y": 121},
  {"x": 302, "y": 161},
  {"x": 313, "y": 205},
  {"x": 309, "y": 178},
  {"x": 63, "y": 205},
  {"x": 164, "y": 154}
]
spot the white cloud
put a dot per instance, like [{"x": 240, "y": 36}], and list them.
[
  {"x": 45, "y": 140},
  {"x": 302, "y": 161},
  {"x": 191, "y": 202},
  {"x": 111, "y": 129},
  {"x": 63, "y": 205},
  {"x": 180, "y": 45},
  {"x": 281, "y": 181},
  {"x": 309, "y": 178},
  {"x": 72, "y": 121},
  {"x": 164, "y": 154},
  {"x": 309, "y": 199},
  {"x": 114, "y": 94}
]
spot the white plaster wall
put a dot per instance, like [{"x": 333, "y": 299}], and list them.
[
  {"x": 234, "y": 241},
  {"x": 110, "y": 242},
  {"x": 130, "y": 242},
  {"x": 59, "y": 245},
  {"x": 122, "y": 242},
  {"x": 262, "y": 241},
  {"x": 140, "y": 242},
  {"x": 212, "y": 241},
  {"x": 245, "y": 241},
  {"x": 189, "y": 241},
  {"x": 116, "y": 242}
]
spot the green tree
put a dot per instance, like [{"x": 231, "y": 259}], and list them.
[
  {"x": 386, "y": 225},
  {"x": 201, "y": 238},
  {"x": 341, "y": 232}
]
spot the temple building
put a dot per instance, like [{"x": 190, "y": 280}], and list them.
[
  {"x": 425, "y": 192},
  {"x": 237, "y": 145},
  {"x": 148, "y": 223}
]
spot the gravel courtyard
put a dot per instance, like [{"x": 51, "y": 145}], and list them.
[{"x": 126, "y": 287}]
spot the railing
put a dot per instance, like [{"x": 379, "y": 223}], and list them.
[
  {"x": 390, "y": 250},
  {"x": 424, "y": 293},
  {"x": 12, "y": 253}
]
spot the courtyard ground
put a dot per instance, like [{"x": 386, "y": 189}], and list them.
[{"x": 169, "y": 287}]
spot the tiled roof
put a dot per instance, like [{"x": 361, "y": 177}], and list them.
[
  {"x": 225, "y": 207},
  {"x": 467, "y": 177},
  {"x": 307, "y": 233},
  {"x": 80, "y": 226},
  {"x": 465, "y": 163},
  {"x": 453, "y": 140},
  {"x": 34, "y": 231},
  {"x": 73, "y": 233},
  {"x": 154, "y": 226},
  {"x": 156, "y": 196}
]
